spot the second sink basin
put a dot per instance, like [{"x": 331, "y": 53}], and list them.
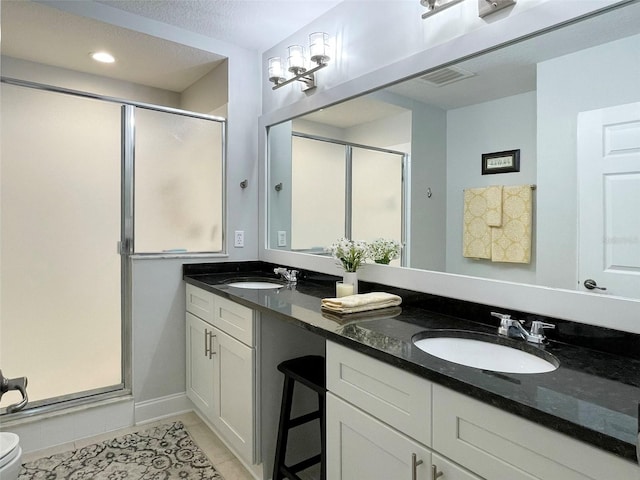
[
  {"x": 480, "y": 351},
  {"x": 254, "y": 283}
]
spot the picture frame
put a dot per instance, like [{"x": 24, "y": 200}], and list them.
[{"x": 501, "y": 162}]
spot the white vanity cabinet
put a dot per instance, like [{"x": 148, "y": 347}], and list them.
[
  {"x": 222, "y": 368},
  {"x": 199, "y": 365},
  {"x": 503, "y": 446},
  {"x": 379, "y": 422},
  {"x": 361, "y": 446},
  {"x": 379, "y": 416}
]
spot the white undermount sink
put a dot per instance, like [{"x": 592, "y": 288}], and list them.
[
  {"x": 485, "y": 355},
  {"x": 255, "y": 285}
]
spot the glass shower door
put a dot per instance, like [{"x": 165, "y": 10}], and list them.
[{"x": 60, "y": 304}]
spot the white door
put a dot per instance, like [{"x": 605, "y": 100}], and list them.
[
  {"x": 233, "y": 386},
  {"x": 609, "y": 199},
  {"x": 361, "y": 447},
  {"x": 200, "y": 367}
]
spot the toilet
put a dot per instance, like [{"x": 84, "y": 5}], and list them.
[{"x": 10, "y": 456}]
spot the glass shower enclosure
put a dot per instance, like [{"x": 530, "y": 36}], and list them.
[{"x": 70, "y": 207}]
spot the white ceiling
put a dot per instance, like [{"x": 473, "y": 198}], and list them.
[
  {"x": 41, "y": 33},
  {"x": 252, "y": 24}
]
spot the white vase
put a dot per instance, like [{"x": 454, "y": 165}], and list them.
[{"x": 352, "y": 278}]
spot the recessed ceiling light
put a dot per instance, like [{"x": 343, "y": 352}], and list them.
[{"x": 103, "y": 57}]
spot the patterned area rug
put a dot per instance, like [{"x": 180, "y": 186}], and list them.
[{"x": 162, "y": 453}]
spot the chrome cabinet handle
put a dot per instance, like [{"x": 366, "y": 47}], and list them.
[
  {"x": 591, "y": 284},
  {"x": 211, "y": 350},
  {"x": 414, "y": 466},
  {"x": 208, "y": 343},
  {"x": 435, "y": 473}
]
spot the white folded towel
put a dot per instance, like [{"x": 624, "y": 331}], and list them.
[{"x": 361, "y": 302}]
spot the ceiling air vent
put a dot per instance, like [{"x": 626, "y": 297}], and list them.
[{"x": 445, "y": 76}]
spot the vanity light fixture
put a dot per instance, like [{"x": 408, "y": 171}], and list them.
[
  {"x": 102, "y": 57},
  {"x": 298, "y": 63},
  {"x": 487, "y": 7},
  {"x": 435, "y": 6}
]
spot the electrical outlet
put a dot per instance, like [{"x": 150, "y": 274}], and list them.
[
  {"x": 282, "y": 238},
  {"x": 238, "y": 239}
]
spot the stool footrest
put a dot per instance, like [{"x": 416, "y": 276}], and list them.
[
  {"x": 290, "y": 472},
  {"x": 302, "y": 419}
]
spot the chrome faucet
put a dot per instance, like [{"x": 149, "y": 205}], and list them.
[
  {"x": 512, "y": 328},
  {"x": 291, "y": 276}
]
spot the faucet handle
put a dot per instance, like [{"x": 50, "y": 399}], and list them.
[
  {"x": 506, "y": 322},
  {"x": 537, "y": 327},
  {"x": 505, "y": 319},
  {"x": 501, "y": 316}
]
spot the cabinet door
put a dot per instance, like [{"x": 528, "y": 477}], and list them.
[
  {"x": 199, "y": 365},
  {"x": 360, "y": 446},
  {"x": 234, "y": 389}
]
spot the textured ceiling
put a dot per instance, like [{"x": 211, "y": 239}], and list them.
[{"x": 255, "y": 25}]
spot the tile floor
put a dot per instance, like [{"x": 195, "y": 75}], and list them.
[{"x": 223, "y": 460}]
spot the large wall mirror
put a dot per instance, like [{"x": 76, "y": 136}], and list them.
[{"x": 547, "y": 130}]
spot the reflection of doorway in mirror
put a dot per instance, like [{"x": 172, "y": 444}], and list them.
[{"x": 609, "y": 196}]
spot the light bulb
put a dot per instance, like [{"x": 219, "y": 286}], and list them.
[
  {"x": 276, "y": 73},
  {"x": 296, "y": 59},
  {"x": 319, "y": 47}
]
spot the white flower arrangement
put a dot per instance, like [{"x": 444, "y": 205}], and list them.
[
  {"x": 351, "y": 253},
  {"x": 383, "y": 251}
]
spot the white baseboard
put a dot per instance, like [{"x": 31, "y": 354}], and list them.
[
  {"x": 67, "y": 426},
  {"x": 159, "y": 408}
]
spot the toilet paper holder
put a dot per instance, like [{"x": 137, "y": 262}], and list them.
[{"x": 19, "y": 384}]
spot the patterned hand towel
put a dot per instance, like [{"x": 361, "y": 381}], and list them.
[
  {"x": 511, "y": 242},
  {"x": 482, "y": 210}
]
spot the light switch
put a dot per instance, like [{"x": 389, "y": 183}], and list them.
[{"x": 282, "y": 238}]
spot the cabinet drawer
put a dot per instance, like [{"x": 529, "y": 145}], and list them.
[
  {"x": 234, "y": 319},
  {"x": 503, "y": 446},
  {"x": 398, "y": 398},
  {"x": 200, "y": 303}
]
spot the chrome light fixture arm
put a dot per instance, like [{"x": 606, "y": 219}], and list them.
[{"x": 307, "y": 78}]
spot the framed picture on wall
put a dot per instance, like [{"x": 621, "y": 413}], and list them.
[{"x": 501, "y": 162}]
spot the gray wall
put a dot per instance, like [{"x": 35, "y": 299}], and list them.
[{"x": 495, "y": 126}]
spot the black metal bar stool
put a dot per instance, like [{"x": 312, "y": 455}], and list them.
[{"x": 310, "y": 372}]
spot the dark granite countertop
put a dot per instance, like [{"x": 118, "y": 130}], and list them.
[{"x": 593, "y": 396}]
